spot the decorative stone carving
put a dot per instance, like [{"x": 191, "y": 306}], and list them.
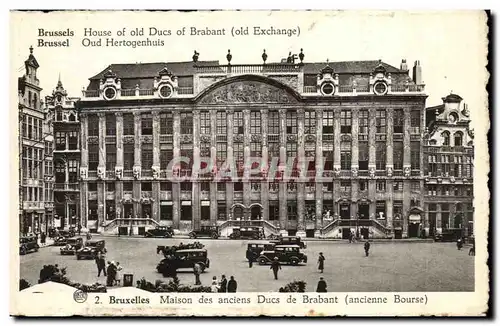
[
  {"x": 128, "y": 140},
  {"x": 186, "y": 139},
  {"x": 291, "y": 137},
  {"x": 439, "y": 180},
  {"x": 372, "y": 172},
  {"x": 354, "y": 172},
  {"x": 389, "y": 172},
  {"x": 288, "y": 80},
  {"x": 407, "y": 171},
  {"x": 310, "y": 138},
  {"x": 147, "y": 200},
  {"x": 93, "y": 140},
  {"x": 147, "y": 139},
  {"x": 205, "y": 138},
  {"x": 256, "y": 138},
  {"x": 238, "y": 138},
  {"x": 346, "y": 138},
  {"x": 137, "y": 172},
  {"x": 118, "y": 173},
  {"x": 248, "y": 92},
  {"x": 452, "y": 179},
  {"x": 83, "y": 173},
  {"x": 336, "y": 170},
  {"x": 156, "y": 172},
  {"x": 101, "y": 171}
]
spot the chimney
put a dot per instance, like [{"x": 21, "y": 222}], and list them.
[
  {"x": 417, "y": 73},
  {"x": 404, "y": 65}
]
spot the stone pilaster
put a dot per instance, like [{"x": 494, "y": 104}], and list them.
[
  {"x": 406, "y": 139},
  {"x": 136, "y": 192},
  {"x": 406, "y": 206},
  {"x": 319, "y": 172},
  {"x": 102, "y": 140},
  {"x": 101, "y": 201},
  {"x": 372, "y": 195},
  {"x": 213, "y": 157},
  {"x": 264, "y": 185},
  {"x": 372, "y": 130},
  {"x": 84, "y": 210},
  {"x": 301, "y": 227},
  {"x": 195, "y": 202},
  {"x": 336, "y": 140},
  {"x": 84, "y": 152},
  {"x": 354, "y": 196},
  {"x": 156, "y": 139},
  {"x": 176, "y": 189},
  {"x": 355, "y": 139},
  {"x": 118, "y": 198},
  {"x": 246, "y": 156},
  {"x": 389, "y": 188},
  {"x": 390, "y": 141},
  {"x": 282, "y": 184},
  {"x": 230, "y": 159},
  {"x": 119, "y": 140}
]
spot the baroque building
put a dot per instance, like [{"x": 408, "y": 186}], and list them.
[
  {"x": 339, "y": 146},
  {"x": 449, "y": 168},
  {"x": 35, "y": 153}
]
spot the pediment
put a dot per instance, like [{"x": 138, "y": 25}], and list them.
[{"x": 248, "y": 92}]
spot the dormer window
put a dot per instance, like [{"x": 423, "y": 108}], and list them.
[
  {"x": 109, "y": 93},
  {"x": 59, "y": 116},
  {"x": 59, "y": 98},
  {"x": 380, "y": 88},
  {"x": 327, "y": 88},
  {"x": 166, "y": 91},
  {"x": 452, "y": 117}
]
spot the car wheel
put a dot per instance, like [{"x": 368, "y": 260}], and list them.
[
  {"x": 202, "y": 268},
  {"x": 78, "y": 257},
  {"x": 294, "y": 261},
  {"x": 23, "y": 251},
  {"x": 192, "y": 236},
  {"x": 215, "y": 236},
  {"x": 262, "y": 261}
]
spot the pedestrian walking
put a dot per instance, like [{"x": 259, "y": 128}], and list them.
[
  {"x": 197, "y": 272},
  {"x": 110, "y": 279},
  {"x": 118, "y": 275},
  {"x": 250, "y": 257},
  {"x": 89, "y": 236},
  {"x": 101, "y": 265},
  {"x": 232, "y": 285},
  {"x": 321, "y": 262},
  {"x": 215, "y": 287},
  {"x": 43, "y": 237},
  {"x": 367, "y": 248},
  {"x": 275, "y": 266},
  {"x": 223, "y": 284},
  {"x": 321, "y": 285}
]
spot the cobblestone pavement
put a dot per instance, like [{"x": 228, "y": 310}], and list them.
[{"x": 391, "y": 266}]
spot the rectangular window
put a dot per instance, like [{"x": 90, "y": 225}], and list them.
[
  {"x": 291, "y": 122},
  {"x": 398, "y": 121},
  {"x": 147, "y": 156},
  {"x": 93, "y": 156},
  {"x": 310, "y": 122},
  {"x": 363, "y": 122},
  {"x": 205, "y": 122},
  {"x": 92, "y": 204},
  {"x": 92, "y": 186},
  {"x": 415, "y": 120},
  {"x": 255, "y": 123},
  {"x": 273, "y": 123},
  {"x": 398, "y": 155},
  {"x": 328, "y": 119},
  {"x": 146, "y": 124},
  {"x": 345, "y": 122},
  {"x": 186, "y": 186},
  {"x": 363, "y": 156},
  {"x": 110, "y": 186},
  {"x": 238, "y": 122},
  {"x": 221, "y": 186},
  {"x": 73, "y": 140},
  {"x": 291, "y": 150},
  {"x": 328, "y": 157},
  {"x": 255, "y": 149},
  {"x": 398, "y": 185},
  {"x": 345, "y": 155},
  {"x": 238, "y": 186},
  {"x": 60, "y": 141},
  {"x": 110, "y": 124},
  {"x": 292, "y": 211},
  {"x": 93, "y": 125},
  {"x": 205, "y": 186},
  {"x": 166, "y": 155},
  {"x": 415, "y": 155},
  {"x": 380, "y": 121},
  {"x": 380, "y": 186},
  {"x": 110, "y": 157},
  {"x": 345, "y": 186},
  {"x": 166, "y": 124},
  {"x": 166, "y": 186},
  {"x": 221, "y": 123},
  {"x": 166, "y": 212},
  {"x": 72, "y": 171},
  {"x": 238, "y": 152},
  {"x": 128, "y": 157},
  {"x": 221, "y": 152},
  {"x": 25, "y": 127},
  {"x": 221, "y": 211},
  {"x": 380, "y": 155},
  {"x": 274, "y": 211},
  {"x": 415, "y": 186},
  {"x": 128, "y": 124},
  {"x": 363, "y": 185},
  {"x": 146, "y": 186},
  {"x": 128, "y": 186}
]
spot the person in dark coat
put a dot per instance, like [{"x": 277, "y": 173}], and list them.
[
  {"x": 223, "y": 284},
  {"x": 321, "y": 262},
  {"x": 275, "y": 266},
  {"x": 43, "y": 237},
  {"x": 321, "y": 285},
  {"x": 101, "y": 265},
  {"x": 367, "y": 248},
  {"x": 459, "y": 244},
  {"x": 110, "y": 280},
  {"x": 250, "y": 256},
  {"x": 232, "y": 285}
]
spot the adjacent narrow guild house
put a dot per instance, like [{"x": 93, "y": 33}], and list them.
[{"x": 341, "y": 147}]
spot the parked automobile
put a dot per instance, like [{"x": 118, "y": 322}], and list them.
[
  {"x": 449, "y": 235},
  {"x": 290, "y": 240},
  {"x": 72, "y": 245},
  {"x": 287, "y": 254},
  {"x": 160, "y": 232},
  {"x": 28, "y": 244},
  {"x": 185, "y": 258},
  {"x": 67, "y": 233},
  {"x": 60, "y": 241},
  {"x": 205, "y": 231},
  {"x": 247, "y": 233},
  {"x": 257, "y": 248},
  {"x": 91, "y": 249}
]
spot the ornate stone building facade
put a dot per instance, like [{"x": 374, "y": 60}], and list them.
[
  {"x": 35, "y": 153},
  {"x": 350, "y": 132},
  {"x": 449, "y": 168}
]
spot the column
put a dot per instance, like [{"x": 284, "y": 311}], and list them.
[
  {"x": 336, "y": 140},
  {"x": 136, "y": 194},
  {"x": 119, "y": 165},
  {"x": 390, "y": 144},
  {"x": 176, "y": 204},
  {"x": 389, "y": 205},
  {"x": 406, "y": 139},
  {"x": 84, "y": 211},
  {"x": 282, "y": 184},
  {"x": 155, "y": 194},
  {"x": 354, "y": 140},
  {"x": 213, "y": 160},
  {"x": 439, "y": 229},
  {"x": 319, "y": 171},
  {"x": 195, "y": 196},
  {"x": 264, "y": 185},
  {"x": 301, "y": 227},
  {"x": 84, "y": 153},
  {"x": 230, "y": 160},
  {"x": 406, "y": 206},
  {"x": 247, "y": 137},
  {"x": 101, "y": 192},
  {"x": 372, "y": 129}
]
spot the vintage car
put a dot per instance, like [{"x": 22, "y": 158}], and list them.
[
  {"x": 60, "y": 241},
  {"x": 288, "y": 240},
  {"x": 160, "y": 232},
  {"x": 449, "y": 235},
  {"x": 91, "y": 249},
  {"x": 67, "y": 233},
  {"x": 287, "y": 254},
  {"x": 27, "y": 244},
  {"x": 257, "y": 248},
  {"x": 72, "y": 245},
  {"x": 247, "y": 233},
  {"x": 185, "y": 258},
  {"x": 205, "y": 231}
]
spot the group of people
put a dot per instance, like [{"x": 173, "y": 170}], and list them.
[
  {"x": 224, "y": 285},
  {"x": 112, "y": 271}
]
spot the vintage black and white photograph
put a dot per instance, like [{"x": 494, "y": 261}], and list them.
[{"x": 330, "y": 152}]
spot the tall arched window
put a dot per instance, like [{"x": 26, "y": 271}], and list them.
[
  {"x": 446, "y": 138},
  {"x": 458, "y": 138}
]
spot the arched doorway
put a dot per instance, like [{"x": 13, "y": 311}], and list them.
[
  {"x": 255, "y": 211},
  {"x": 457, "y": 224},
  {"x": 238, "y": 212}
]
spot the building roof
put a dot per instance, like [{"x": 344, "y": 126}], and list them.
[
  {"x": 353, "y": 67},
  {"x": 452, "y": 98}
]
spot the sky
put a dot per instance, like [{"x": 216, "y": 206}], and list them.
[{"x": 450, "y": 45}]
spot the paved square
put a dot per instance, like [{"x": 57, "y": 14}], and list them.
[{"x": 391, "y": 266}]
